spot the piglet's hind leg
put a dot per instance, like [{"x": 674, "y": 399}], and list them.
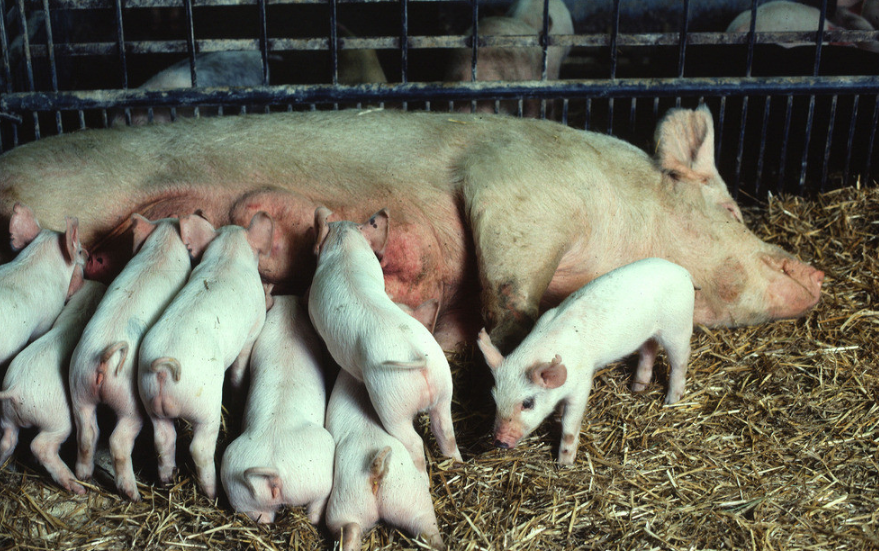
[
  {"x": 165, "y": 438},
  {"x": 45, "y": 448},
  {"x": 8, "y": 442},
  {"x": 644, "y": 372},
  {"x": 121, "y": 446},
  {"x": 443, "y": 431},
  {"x": 204, "y": 444}
]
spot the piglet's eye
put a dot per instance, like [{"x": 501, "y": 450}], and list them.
[{"x": 528, "y": 404}]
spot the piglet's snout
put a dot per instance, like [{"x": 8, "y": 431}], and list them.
[{"x": 506, "y": 436}]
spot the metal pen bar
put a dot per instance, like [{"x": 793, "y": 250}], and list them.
[
  {"x": 751, "y": 38},
  {"x": 850, "y": 141},
  {"x": 52, "y": 68},
  {"x": 544, "y": 39},
  {"x": 828, "y": 143},
  {"x": 740, "y": 151},
  {"x": 614, "y": 34},
  {"x": 264, "y": 39},
  {"x": 190, "y": 42},
  {"x": 404, "y": 39},
  {"x": 474, "y": 36},
  {"x": 334, "y": 41},
  {"x": 760, "y": 155},
  {"x": 29, "y": 68},
  {"x": 721, "y": 117},
  {"x": 872, "y": 141},
  {"x": 801, "y": 187},
  {"x": 783, "y": 156}
]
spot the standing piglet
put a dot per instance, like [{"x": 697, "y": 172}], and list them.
[
  {"x": 210, "y": 326},
  {"x": 402, "y": 365},
  {"x": 642, "y": 304},
  {"x": 102, "y": 370},
  {"x": 284, "y": 455},
  {"x": 373, "y": 477},
  {"x": 34, "y": 286},
  {"x": 35, "y": 388}
]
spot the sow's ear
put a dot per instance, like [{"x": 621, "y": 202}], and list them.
[
  {"x": 196, "y": 233},
  {"x": 23, "y": 227},
  {"x": 685, "y": 144},
  {"x": 321, "y": 227},
  {"x": 141, "y": 228},
  {"x": 493, "y": 356},
  {"x": 549, "y": 375},
  {"x": 260, "y": 233},
  {"x": 375, "y": 230}
]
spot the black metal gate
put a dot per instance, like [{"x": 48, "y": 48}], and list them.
[{"x": 797, "y": 119}]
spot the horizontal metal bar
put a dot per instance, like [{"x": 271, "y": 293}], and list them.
[{"x": 728, "y": 86}]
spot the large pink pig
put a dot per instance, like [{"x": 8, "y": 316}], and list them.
[
  {"x": 35, "y": 286},
  {"x": 209, "y": 327},
  {"x": 524, "y": 211},
  {"x": 373, "y": 476},
  {"x": 284, "y": 455},
  {"x": 370, "y": 337},
  {"x": 35, "y": 388},
  {"x": 103, "y": 366}
]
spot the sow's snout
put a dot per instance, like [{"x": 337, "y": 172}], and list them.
[{"x": 795, "y": 290}]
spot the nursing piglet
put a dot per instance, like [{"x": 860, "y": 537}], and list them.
[
  {"x": 642, "y": 304},
  {"x": 35, "y": 388},
  {"x": 403, "y": 367},
  {"x": 34, "y": 286},
  {"x": 373, "y": 477},
  {"x": 210, "y": 326},
  {"x": 103, "y": 367},
  {"x": 284, "y": 455}
]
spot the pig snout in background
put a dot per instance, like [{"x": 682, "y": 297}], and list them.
[
  {"x": 35, "y": 286},
  {"x": 35, "y": 388},
  {"x": 229, "y": 69},
  {"x": 402, "y": 365},
  {"x": 781, "y": 15},
  {"x": 103, "y": 366},
  {"x": 642, "y": 305},
  {"x": 284, "y": 456},
  {"x": 209, "y": 328},
  {"x": 525, "y": 17},
  {"x": 374, "y": 477}
]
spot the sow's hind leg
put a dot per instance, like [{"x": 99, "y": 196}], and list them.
[{"x": 520, "y": 231}]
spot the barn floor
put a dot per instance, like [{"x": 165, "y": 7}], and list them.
[{"x": 774, "y": 446}]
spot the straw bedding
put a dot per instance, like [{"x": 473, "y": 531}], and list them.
[{"x": 774, "y": 446}]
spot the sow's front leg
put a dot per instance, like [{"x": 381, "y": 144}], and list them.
[{"x": 521, "y": 233}]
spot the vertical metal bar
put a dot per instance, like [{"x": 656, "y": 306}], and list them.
[
  {"x": 828, "y": 143},
  {"x": 264, "y": 38},
  {"x": 404, "y": 39},
  {"x": 588, "y": 114},
  {"x": 544, "y": 41},
  {"x": 615, "y": 30},
  {"x": 758, "y": 181},
  {"x": 848, "y": 145},
  {"x": 785, "y": 136},
  {"x": 565, "y": 111},
  {"x": 81, "y": 119},
  {"x": 752, "y": 38},
  {"x": 683, "y": 40},
  {"x": 50, "y": 47},
  {"x": 741, "y": 148},
  {"x": 870, "y": 143},
  {"x": 475, "y": 38},
  {"x": 28, "y": 64},
  {"x": 7, "y": 73},
  {"x": 801, "y": 187},
  {"x": 190, "y": 40},
  {"x": 120, "y": 41},
  {"x": 819, "y": 41},
  {"x": 720, "y": 120},
  {"x": 633, "y": 104}
]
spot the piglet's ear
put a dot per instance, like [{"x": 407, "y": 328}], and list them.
[
  {"x": 260, "y": 233},
  {"x": 141, "y": 228},
  {"x": 23, "y": 227},
  {"x": 375, "y": 230},
  {"x": 270, "y": 300},
  {"x": 549, "y": 375},
  {"x": 493, "y": 356},
  {"x": 685, "y": 144},
  {"x": 321, "y": 227},
  {"x": 71, "y": 239},
  {"x": 196, "y": 233}
]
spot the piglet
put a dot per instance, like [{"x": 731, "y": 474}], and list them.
[
  {"x": 373, "y": 476},
  {"x": 102, "y": 369},
  {"x": 35, "y": 388},
  {"x": 34, "y": 286},
  {"x": 642, "y": 304},
  {"x": 403, "y": 367},
  {"x": 210, "y": 326},
  {"x": 284, "y": 455}
]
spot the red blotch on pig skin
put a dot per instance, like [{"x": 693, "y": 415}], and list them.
[{"x": 730, "y": 280}]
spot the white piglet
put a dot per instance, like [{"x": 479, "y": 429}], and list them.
[
  {"x": 401, "y": 364},
  {"x": 103, "y": 367},
  {"x": 35, "y": 388},
  {"x": 284, "y": 455},
  {"x": 34, "y": 286},
  {"x": 373, "y": 476},
  {"x": 640, "y": 305},
  {"x": 209, "y": 327}
]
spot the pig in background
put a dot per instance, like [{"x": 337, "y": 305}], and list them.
[
  {"x": 103, "y": 367},
  {"x": 35, "y": 286},
  {"x": 373, "y": 476},
  {"x": 525, "y": 17},
  {"x": 402, "y": 366},
  {"x": 781, "y": 15},
  {"x": 636, "y": 307},
  {"x": 284, "y": 456},
  {"x": 471, "y": 197},
  {"x": 209, "y": 328},
  {"x": 35, "y": 388}
]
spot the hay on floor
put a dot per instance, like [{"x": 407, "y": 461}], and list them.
[{"x": 774, "y": 446}]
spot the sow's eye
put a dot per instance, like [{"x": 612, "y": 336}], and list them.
[{"x": 528, "y": 403}]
